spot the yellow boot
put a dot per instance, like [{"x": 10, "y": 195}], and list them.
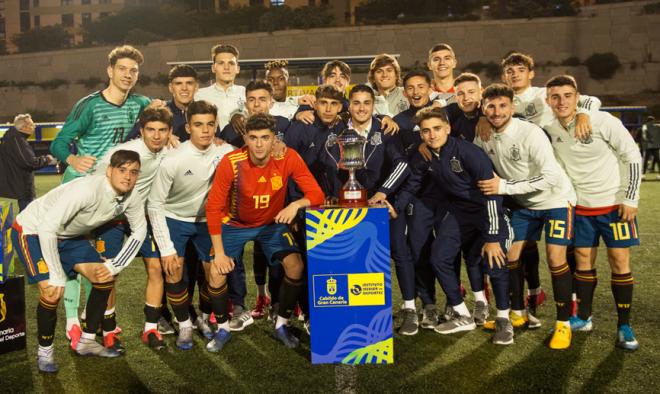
[{"x": 561, "y": 339}]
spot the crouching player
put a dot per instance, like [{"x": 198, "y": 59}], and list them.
[
  {"x": 246, "y": 203},
  {"x": 176, "y": 211},
  {"x": 53, "y": 242},
  {"x": 155, "y": 131},
  {"x": 606, "y": 172},
  {"x": 474, "y": 223}
]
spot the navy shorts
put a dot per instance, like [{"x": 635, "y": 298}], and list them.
[
  {"x": 557, "y": 222},
  {"x": 72, "y": 251},
  {"x": 615, "y": 234},
  {"x": 275, "y": 240},
  {"x": 197, "y": 232},
  {"x": 110, "y": 239}
]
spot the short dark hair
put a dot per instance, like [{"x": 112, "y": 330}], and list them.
[
  {"x": 497, "y": 90},
  {"x": 257, "y": 85},
  {"x": 383, "y": 60},
  {"x": 561, "y": 80},
  {"x": 330, "y": 92},
  {"x": 125, "y": 51},
  {"x": 223, "y": 48},
  {"x": 416, "y": 73},
  {"x": 122, "y": 156},
  {"x": 518, "y": 59},
  {"x": 156, "y": 114},
  {"x": 467, "y": 77},
  {"x": 180, "y": 71},
  {"x": 331, "y": 65},
  {"x": 200, "y": 107},
  {"x": 431, "y": 112},
  {"x": 362, "y": 88},
  {"x": 441, "y": 47},
  {"x": 260, "y": 122}
]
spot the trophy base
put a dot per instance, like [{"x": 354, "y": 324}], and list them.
[{"x": 353, "y": 198}]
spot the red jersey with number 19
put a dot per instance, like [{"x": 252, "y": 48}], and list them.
[{"x": 245, "y": 195}]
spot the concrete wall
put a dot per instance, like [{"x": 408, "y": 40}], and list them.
[{"x": 618, "y": 28}]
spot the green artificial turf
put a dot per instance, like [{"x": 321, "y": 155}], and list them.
[{"x": 427, "y": 362}]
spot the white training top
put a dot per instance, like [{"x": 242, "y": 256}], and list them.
[
  {"x": 76, "y": 208},
  {"x": 531, "y": 104},
  {"x": 228, "y": 102},
  {"x": 149, "y": 163},
  {"x": 286, "y": 108},
  {"x": 523, "y": 158},
  {"x": 606, "y": 169},
  {"x": 181, "y": 187}
]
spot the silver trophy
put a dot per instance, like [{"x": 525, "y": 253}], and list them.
[{"x": 351, "y": 157}]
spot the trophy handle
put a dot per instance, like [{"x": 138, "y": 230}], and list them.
[
  {"x": 330, "y": 142},
  {"x": 364, "y": 152}
]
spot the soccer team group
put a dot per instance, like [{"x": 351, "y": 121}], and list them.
[{"x": 470, "y": 175}]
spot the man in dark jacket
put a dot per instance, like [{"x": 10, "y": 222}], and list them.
[{"x": 18, "y": 162}]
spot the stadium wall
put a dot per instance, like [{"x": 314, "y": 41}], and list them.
[{"x": 618, "y": 28}]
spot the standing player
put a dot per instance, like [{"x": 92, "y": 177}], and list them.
[
  {"x": 414, "y": 273},
  {"x": 228, "y": 97},
  {"x": 246, "y": 202},
  {"x": 258, "y": 100},
  {"x": 442, "y": 62},
  {"x": 385, "y": 167},
  {"x": 522, "y": 156},
  {"x": 338, "y": 73},
  {"x": 309, "y": 141},
  {"x": 176, "y": 208},
  {"x": 473, "y": 222},
  {"x": 385, "y": 78},
  {"x": 529, "y": 102},
  {"x": 97, "y": 123},
  {"x": 51, "y": 237},
  {"x": 277, "y": 76},
  {"x": 155, "y": 132},
  {"x": 606, "y": 172}
]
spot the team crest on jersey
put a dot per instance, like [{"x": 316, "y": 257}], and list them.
[
  {"x": 241, "y": 103},
  {"x": 42, "y": 267},
  {"x": 119, "y": 209},
  {"x": 515, "y": 153},
  {"x": 376, "y": 139},
  {"x": 276, "y": 182},
  {"x": 530, "y": 110},
  {"x": 402, "y": 106},
  {"x": 216, "y": 161},
  {"x": 587, "y": 140},
  {"x": 455, "y": 165}
]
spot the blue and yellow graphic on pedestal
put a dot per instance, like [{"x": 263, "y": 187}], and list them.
[
  {"x": 6, "y": 220},
  {"x": 348, "y": 254}
]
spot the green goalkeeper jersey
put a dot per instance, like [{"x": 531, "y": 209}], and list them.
[{"x": 95, "y": 125}]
